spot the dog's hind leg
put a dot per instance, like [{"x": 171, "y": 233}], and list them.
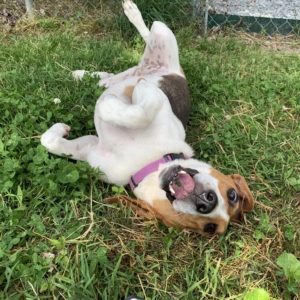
[
  {"x": 162, "y": 48},
  {"x": 160, "y": 56},
  {"x": 147, "y": 99},
  {"x": 135, "y": 17},
  {"x": 55, "y": 142},
  {"x": 161, "y": 51}
]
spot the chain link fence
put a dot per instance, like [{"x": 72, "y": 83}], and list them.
[{"x": 259, "y": 16}]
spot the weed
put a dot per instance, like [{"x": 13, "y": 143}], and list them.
[{"x": 291, "y": 271}]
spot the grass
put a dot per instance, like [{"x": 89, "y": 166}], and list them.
[{"x": 59, "y": 239}]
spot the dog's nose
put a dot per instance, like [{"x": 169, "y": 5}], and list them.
[{"x": 206, "y": 202}]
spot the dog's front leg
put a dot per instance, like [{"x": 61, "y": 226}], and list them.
[
  {"x": 106, "y": 79},
  {"x": 147, "y": 99},
  {"x": 79, "y": 74},
  {"x": 55, "y": 142}
]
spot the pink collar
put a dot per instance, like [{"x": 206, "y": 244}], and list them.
[{"x": 136, "y": 178}]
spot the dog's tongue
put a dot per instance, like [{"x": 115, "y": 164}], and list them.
[{"x": 183, "y": 185}]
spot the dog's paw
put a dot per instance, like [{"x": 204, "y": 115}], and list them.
[
  {"x": 60, "y": 129},
  {"x": 52, "y": 137},
  {"x": 78, "y": 74},
  {"x": 101, "y": 75},
  {"x": 132, "y": 12}
]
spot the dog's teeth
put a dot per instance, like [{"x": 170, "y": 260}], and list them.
[
  {"x": 171, "y": 189},
  {"x": 182, "y": 172}
]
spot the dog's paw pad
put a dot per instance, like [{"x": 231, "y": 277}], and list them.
[
  {"x": 78, "y": 74},
  {"x": 131, "y": 11}
]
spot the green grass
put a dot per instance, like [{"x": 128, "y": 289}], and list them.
[{"x": 60, "y": 240}]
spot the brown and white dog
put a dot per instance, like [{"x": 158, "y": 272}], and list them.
[{"x": 140, "y": 121}]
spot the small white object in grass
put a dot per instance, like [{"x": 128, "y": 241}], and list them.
[
  {"x": 48, "y": 255},
  {"x": 56, "y": 100}
]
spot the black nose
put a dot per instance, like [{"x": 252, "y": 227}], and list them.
[{"x": 206, "y": 202}]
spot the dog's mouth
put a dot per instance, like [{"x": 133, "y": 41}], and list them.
[{"x": 178, "y": 182}]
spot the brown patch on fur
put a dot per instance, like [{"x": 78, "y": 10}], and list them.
[
  {"x": 176, "y": 89},
  {"x": 128, "y": 91},
  {"x": 239, "y": 183}
]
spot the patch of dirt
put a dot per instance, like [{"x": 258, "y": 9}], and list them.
[
  {"x": 289, "y": 44},
  {"x": 10, "y": 12},
  {"x": 7, "y": 19},
  {"x": 279, "y": 43}
]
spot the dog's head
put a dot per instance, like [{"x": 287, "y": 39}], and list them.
[{"x": 193, "y": 195}]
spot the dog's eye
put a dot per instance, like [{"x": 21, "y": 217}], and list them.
[
  {"x": 232, "y": 196},
  {"x": 210, "y": 228}
]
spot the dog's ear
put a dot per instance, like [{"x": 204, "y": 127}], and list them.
[{"x": 246, "y": 197}]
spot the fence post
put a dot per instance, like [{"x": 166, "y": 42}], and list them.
[
  {"x": 29, "y": 8},
  {"x": 200, "y": 10},
  {"x": 206, "y": 17}
]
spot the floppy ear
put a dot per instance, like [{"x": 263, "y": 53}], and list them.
[{"x": 246, "y": 196}]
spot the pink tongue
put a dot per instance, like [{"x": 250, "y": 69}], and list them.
[{"x": 183, "y": 186}]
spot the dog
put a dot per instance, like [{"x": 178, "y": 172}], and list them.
[{"x": 140, "y": 121}]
